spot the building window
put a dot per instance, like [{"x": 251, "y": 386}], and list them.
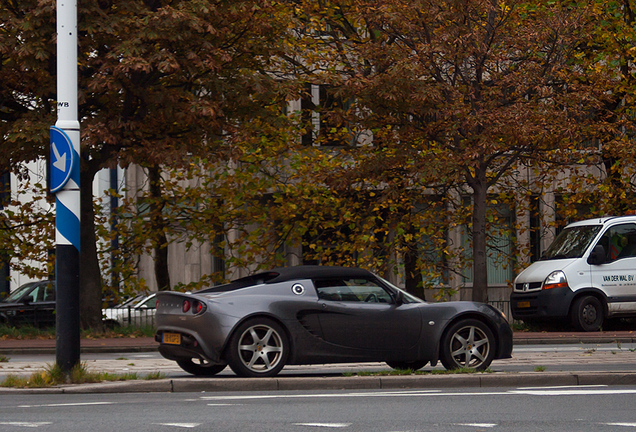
[{"x": 323, "y": 117}]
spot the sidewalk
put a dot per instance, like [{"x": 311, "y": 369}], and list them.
[
  {"x": 611, "y": 365},
  {"x": 144, "y": 344},
  {"x": 47, "y": 346}
]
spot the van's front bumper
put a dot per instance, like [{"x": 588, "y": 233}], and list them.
[{"x": 547, "y": 304}]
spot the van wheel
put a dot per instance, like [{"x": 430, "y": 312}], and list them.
[{"x": 587, "y": 314}]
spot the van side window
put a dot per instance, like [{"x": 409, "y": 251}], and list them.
[{"x": 619, "y": 242}]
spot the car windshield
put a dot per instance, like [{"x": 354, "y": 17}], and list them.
[
  {"x": 15, "y": 295},
  {"x": 571, "y": 242},
  {"x": 408, "y": 298}
]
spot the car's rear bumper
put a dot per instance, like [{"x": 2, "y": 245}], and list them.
[{"x": 189, "y": 347}]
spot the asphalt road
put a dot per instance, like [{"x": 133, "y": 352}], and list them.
[{"x": 558, "y": 408}]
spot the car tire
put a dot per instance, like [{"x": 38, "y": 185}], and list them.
[
  {"x": 259, "y": 347},
  {"x": 413, "y": 365},
  {"x": 587, "y": 314},
  {"x": 200, "y": 367},
  {"x": 468, "y": 343}
]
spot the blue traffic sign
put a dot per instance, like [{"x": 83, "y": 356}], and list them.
[{"x": 63, "y": 159}]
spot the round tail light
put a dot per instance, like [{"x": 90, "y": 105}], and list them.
[
  {"x": 198, "y": 307},
  {"x": 186, "y": 306}
]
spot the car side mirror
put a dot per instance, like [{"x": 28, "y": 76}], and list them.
[
  {"x": 28, "y": 299},
  {"x": 399, "y": 298},
  {"x": 597, "y": 256}
]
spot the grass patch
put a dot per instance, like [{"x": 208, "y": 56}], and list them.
[
  {"x": 30, "y": 332},
  {"x": 53, "y": 376},
  {"x": 539, "y": 368},
  {"x": 399, "y": 372},
  {"x": 3, "y": 358},
  {"x": 26, "y": 332}
]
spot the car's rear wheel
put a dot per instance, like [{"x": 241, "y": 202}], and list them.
[
  {"x": 413, "y": 365},
  {"x": 258, "y": 348},
  {"x": 468, "y": 343},
  {"x": 200, "y": 367},
  {"x": 587, "y": 314}
]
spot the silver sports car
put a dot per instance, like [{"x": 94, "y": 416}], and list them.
[{"x": 318, "y": 315}]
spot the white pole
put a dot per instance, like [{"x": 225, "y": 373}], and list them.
[{"x": 67, "y": 228}]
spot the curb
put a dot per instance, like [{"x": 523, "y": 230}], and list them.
[{"x": 202, "y": 385}]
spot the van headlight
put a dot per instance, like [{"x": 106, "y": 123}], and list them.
[{"x": 556, "y": 279}]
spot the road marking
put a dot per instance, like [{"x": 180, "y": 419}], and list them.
[
  {"x": 479, "y": 425},
  {"x": 223, "y": 404},
  {"x": 327, "y": 425},
  {"x": 572, "y": 392},
  {"x": 563, "y": 387},
  {"x": 66, "y": 404},
  {"x": 181, "y": 425},
  {"x": 26, "y": 424},
  {"x": 530, "y": 391},
  {"x": 324, "y": 395},
  {"x": 621, "y": 424}
]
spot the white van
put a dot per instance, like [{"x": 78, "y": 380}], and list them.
[{"x": 587, "y": 274}]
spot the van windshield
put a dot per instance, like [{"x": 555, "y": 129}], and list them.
[{"x": 571, "y": 242}]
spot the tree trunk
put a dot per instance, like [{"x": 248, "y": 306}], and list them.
[
  {"x": 413, "y": 276},
  {"x": 480, "y": 262},
  {"x": 90, "y": 275},
  {"x": 158, "y": 223}
]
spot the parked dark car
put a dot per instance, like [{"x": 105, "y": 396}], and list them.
[
  {"x": 319, "y": 314},
  {"x": 31, "y": 304}
]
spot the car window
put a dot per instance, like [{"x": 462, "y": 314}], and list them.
[
  {"x": 15, "y": 295},
  {"x": 619, "y": 242},
  {"x": 49, "y": 292},
  {"x": 351, "y": 290},
  {"x": 37, "y": 295},
  {"x": 149, "y": 303}
]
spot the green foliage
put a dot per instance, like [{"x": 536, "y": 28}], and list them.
[
  {"x": 53, "y": 376},
  {"x": 434, "y": 121}
]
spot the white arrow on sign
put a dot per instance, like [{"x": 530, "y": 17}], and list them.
[{"x": 60, "y": 160}]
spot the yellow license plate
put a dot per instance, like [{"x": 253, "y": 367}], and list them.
[
  {"x": 172, "y": 338},
  {"x": 523, "y": 304}
]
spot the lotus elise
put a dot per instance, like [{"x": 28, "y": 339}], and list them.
[{"x": 319, "y": 315}]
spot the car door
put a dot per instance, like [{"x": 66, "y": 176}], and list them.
[
  {"x": 37, "y": 306},
  {"x": 362, "y": 314},
  {"x": 617, "y": 275}
]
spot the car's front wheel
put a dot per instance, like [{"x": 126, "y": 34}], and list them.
[
  {"x": 587, "y": 314},
  {"x": 200, "y": 367},
  {"x": 413, "y": 365},
  {"x": 468, "y": 343},
  {"x": 258, "y": 348}
]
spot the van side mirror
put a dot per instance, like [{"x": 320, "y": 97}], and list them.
[{"x": 597, "y": 256}]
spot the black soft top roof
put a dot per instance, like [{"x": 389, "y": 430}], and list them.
[{"x": 291, "y": 273}]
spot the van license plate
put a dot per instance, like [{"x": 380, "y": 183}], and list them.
[
  {"x": 172, "y": 338},
  {"x": 524, "y": 304}
]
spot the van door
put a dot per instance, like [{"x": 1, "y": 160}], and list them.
[{"x": 617, "y": 276}]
